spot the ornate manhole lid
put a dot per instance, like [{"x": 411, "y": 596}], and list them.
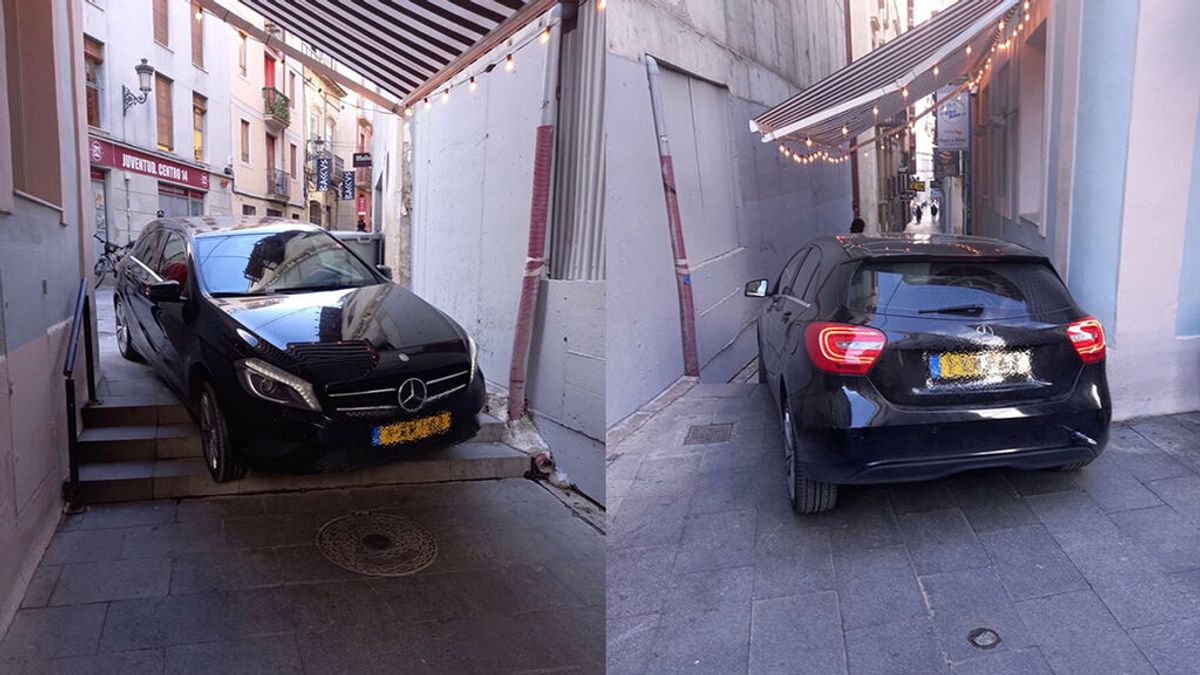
[{"x": 377, "y": 544}]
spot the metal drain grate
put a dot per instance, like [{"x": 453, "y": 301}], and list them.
[
  {"x": 377, "y": 544},
  {"x": 984, "y": 638},
  {"x": 707, "y": 434}
]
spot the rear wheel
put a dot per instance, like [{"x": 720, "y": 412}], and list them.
[
  {"x": 124, "y": 341},
  {"x": 1073, "y": 466},
  {"x": 219, "y": 455},
  {"x": 807, "y": 496},
  {"x": 762, "y": 372}
]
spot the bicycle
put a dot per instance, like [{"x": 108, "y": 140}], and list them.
[{"x": 107, "y": 262}]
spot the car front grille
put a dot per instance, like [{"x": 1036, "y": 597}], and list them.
[{"x": 384, "y": 401}]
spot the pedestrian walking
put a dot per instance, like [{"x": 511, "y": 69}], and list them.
[
  {"x": 917, "y": 212},
  {"x": 933, "y": 209},
  {"x": 362, "y": 225},
  {"x": 858, "y": 225}
]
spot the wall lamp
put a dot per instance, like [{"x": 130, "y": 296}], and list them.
[{"x": 145, "y": 71}]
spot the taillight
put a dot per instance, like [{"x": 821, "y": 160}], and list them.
[
  {"x": 1087, "y": 337},
  {"x": 843, "y": 348}
]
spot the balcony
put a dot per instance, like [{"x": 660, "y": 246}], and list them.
[
  {"x": 278, "y": 185},
  {"x": 277, "y": 110}
]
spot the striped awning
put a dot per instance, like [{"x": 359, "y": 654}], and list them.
[
  {"x": 407, "y": 47},
  {"x": 872, "y": 89}
]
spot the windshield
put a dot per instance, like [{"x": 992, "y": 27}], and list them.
[
  {"x": 991, "y": 289},
  {"x": 257, "y": 263}
]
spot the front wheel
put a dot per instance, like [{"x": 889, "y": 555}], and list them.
[
  {"x": 807, "y": 496},
  {"x": 124, "y": 336},
  {"x": 219, "y": 454}
]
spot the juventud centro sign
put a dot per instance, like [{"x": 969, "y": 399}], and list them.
[{"x": 104, "y": 153}]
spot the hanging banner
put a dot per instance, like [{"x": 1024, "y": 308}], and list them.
[
  {"x": 104, "y": 153},
  {"x": 347, "y": 185},
  {"x": 953, "y": 120},
  {"x": 324, "y": 173},
  {"x": 362, "y": 159}
]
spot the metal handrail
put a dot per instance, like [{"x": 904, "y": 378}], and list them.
[{"x": 81, "y": 320}]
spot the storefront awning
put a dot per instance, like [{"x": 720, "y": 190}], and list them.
[
  {"x": 887, "y": 80},
  {"x": 407, "y": 47}
]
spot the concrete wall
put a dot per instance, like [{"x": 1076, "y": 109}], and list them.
[
  {"x": 41, "y": 261},
  {"x": 725, "y": 62}
]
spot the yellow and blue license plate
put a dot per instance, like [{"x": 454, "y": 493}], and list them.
[
  {"x": 998, "y": 364},
  {"x": 412, "y": 430}
]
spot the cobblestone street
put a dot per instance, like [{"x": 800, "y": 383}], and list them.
[{"x": 709, "y": 571}]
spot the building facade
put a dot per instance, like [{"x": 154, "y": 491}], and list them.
[
  {"x": 742, "y": 211},
  {"x": 157, "y": 109},
  {"x": 46, "y": 212}
]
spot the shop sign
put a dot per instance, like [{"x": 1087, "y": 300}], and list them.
[
  {"x": 347, "y": 185},
  {"x": 362, "y": 159},
  {"x": 916, "y": 185},
  {"x": 105, "y": 153},
  {"x": 324, "y": 173},
  {"x": 953, "y": 120}
]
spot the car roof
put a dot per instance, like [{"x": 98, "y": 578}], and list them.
[
  {"x": 912, "y": 245},
  {"x": 200, "y": 226}
]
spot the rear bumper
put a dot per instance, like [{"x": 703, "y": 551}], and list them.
[{"x": 903, "y": 444}]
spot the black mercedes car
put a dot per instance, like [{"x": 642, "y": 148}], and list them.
[
  {"x": 912, "y": 357},
  {"x": 289, "y": 349}
]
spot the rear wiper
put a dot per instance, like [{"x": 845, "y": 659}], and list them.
[{"x": 973, "y": 310}]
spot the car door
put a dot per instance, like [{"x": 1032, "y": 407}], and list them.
[
  {"x": 777, "y": 313},
  {"x": 167, "y": 318},
  {"x": 803, "y": 302},
  {"x": 139, "y": 274}
]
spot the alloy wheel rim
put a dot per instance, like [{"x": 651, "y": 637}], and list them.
[
  {"x": 789, "y": 451},
  {"x": 122, "y": 331},
  {"x": 208, "y": 430}
]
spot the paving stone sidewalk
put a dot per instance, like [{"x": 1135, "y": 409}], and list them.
[
  {"x": 709, "y": 571},
  {"x": 236, "y": 585}
]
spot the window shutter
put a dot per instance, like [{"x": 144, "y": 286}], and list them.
[
  {"x": 161, "y": 34},
  {"x": 197, "y": 21},
  {"x": 93, "y": 49},
  {"x": 166, "y": 128}
]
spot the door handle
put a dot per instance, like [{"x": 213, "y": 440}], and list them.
[{"x": 787, "y": 316}]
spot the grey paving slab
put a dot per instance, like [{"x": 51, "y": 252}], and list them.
[
  {"x": 84, "y": 546},
  {"x": 989, "y": 501},
  {"x": 200, "y": 571},
  {"x": 1030, "y": 563},
  {"x": 709, "y": 590},
  {"x": 121, "y": 515},
  {"x": 270, "y": 655},
  {"x": 48, "y": 632},
  {"x": 1018, "y": 662},
  {"x": 906, "y": 646},
  {"x": 940, "y": 541},
  {"x": 1173, "y": 647},
  {"x": 1133, "y": 587},
  {"x": 1180, "y": 494},
  {"x": 1078, "y": 635},
  {"x": 1074, "y": 520},
  {"x": 629, "y": 641},
  {"x": 145, "y": 662},
  {"x": 878, "y": 586},
  {"x": 797, "y": 632},
  {"x": 965, "y": 600},
  {"x": 716, "y": 540},
  {"x": 1113, "y": 488},
  {"x": 924, "y": 496},
  {"x": 41, "y": 586},
  {"x": 791, "y": 559},
  {"x": 1141, "y": 457},
  {"x": 647, "y": 523},
  {"x": 715, "y": 641},
  {"x": 84, "y": 583},
  {"x": 1173, "y": 540},
  {"x": 730, "y": 490}
]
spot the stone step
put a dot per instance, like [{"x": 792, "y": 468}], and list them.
[
  {"x": 145, "y": 442},
  {"x": 491, "y": 430},
  {"x": 135, "y": 409},
  {"x": 130, "y": 480}
]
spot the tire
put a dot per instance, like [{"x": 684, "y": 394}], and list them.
[
  {"x": 220, "y": 456},
  {"x": 762, "y": 372},
  {"x": 124, "y": 335},
  {"x": 807, "y": 496},
  {"x": 1073, "y": 466}
]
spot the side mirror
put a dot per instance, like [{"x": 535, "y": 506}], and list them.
[
  {"x": 163, "y": 291},
  {"x": 757, "y": 288},
  {"x": 384, "y": 270}
]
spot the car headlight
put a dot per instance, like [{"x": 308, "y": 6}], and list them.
[
  {"x": 275, "y": 385},
  {"x": 474, "y": 351}
]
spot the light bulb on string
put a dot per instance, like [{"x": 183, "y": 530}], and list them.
[
  {"x": 427, "y": 103},
  {"x": 904, "y": 92},
  {"x": 968, "y": 50},
  {"x": 545, "y": 37},
  {"x": 408, "y": 111},
  {"x": 808, "y": 142},
  {"x": 446, "y": 94},
  {"x": 875, "y": 110},
  {"x": 936, "y": 71},
  {"x": 845, "y": 130},
  {"x": 509, "y": 64},
  {"x": 473, "y": 84},
  {"x": 600, "y": 5}
]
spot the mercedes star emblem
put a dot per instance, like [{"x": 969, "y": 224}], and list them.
[{"x": 412, "y": 394}]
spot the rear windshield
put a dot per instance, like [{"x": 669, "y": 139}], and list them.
[{"x": 956, "y": 288}]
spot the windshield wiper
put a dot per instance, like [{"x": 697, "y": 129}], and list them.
[{"x": 972, "y": 310}]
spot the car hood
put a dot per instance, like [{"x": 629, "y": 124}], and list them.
[{"x": 387, "y": 316}]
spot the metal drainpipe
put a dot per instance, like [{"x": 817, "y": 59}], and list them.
[
  {"x": 683, "y": 276},
  {"x": 539, "y": 214}
]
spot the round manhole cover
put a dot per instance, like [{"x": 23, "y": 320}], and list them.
[
  {"x": 378, "y": 544},
  {"x": 984, "y": 638}
]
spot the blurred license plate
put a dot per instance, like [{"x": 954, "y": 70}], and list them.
[
  {"x": 980, "y": 365},
  {"x": 412, "y": 430}
]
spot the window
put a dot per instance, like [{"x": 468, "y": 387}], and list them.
[
  {"x": 149, "y": 248},
  {"x": 242, "y": 52},
  {"x": 999, "y": 289},
  {"x": 249, "y": 210},
  {"x": 199, "y": 111},
  {"x": 1031, "y": 100},
  {"x": 245, "y": 141},
  {"x": 804, "y": 287},
  {"x": 161, "y": 15},
  {"x": 93, "y": 56},
  {"x": 178, "y": 202},
  {"x": 999, "y": 113},
  {"x": 783, "y": 285},
  {"x": 274, "y": 213},
  {"x": 292, "y": 160},
  {"x": 166, "y": 120},
  {"x": 174, "y": 264},
  {"x": 29, "y": 60},
  {"x": 257, "y": 263},
  {"x": 197, "y": 35},
  {"x": 292, "y": 89},
  {"x": 270, "y": 154}
]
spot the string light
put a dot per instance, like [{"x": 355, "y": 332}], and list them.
[
  {"x": 875, "y": 110},
  {"x": 545, "y": 38},
  {"x": 968, "y": 50},
  {"x": 428, "y": 105},
  {"x": 509, "y": 64},
  {"x": 445, "y": 94},
  {"x": 473, "y": 85},
  {"x": 408, "y": 111},
  {"x": 904, "y": 92},
  {"x": 845, "y": 130},
  {"x": 936, "y": 71},
  {"x": 601, "y": 4},
  {"x": 808, "y": 142},
  {"x": 199, "y": 14}
]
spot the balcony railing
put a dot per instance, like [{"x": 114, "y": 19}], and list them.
[
  {"x": 278, "y": 184},
  {"x": 277, "y": 109}
]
